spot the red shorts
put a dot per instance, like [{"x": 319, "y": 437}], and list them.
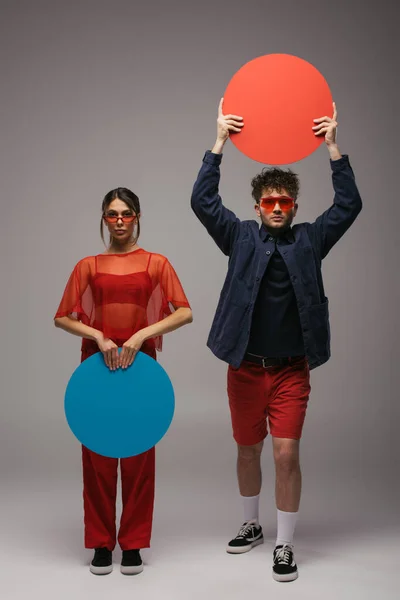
[{"x": 279, "y": 394}]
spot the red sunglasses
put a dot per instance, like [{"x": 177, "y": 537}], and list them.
[
  {"x": 285, "y": 203},
  {"x": 124, "y": 218}
]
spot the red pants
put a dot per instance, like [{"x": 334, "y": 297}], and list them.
[{"x": 100, "y": 476}]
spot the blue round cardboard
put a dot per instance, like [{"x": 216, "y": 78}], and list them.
[{"x": 119, "y": 413}]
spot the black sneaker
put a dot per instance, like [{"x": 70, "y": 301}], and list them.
[
  {"x": 250, "y": 535},
  {"x": 102, "y": 562},
  {"x": 284, "y": 567},
  {"x": 131, "y": 562}
]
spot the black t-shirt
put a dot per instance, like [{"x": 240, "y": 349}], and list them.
[{"x": 276, "y": 329}]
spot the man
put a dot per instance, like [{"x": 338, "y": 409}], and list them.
[{"x": 272, "y": 322}]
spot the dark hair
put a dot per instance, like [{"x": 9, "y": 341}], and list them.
[
  {"x": 274, "y": 178},
  {"x": 129, "y": 198}
]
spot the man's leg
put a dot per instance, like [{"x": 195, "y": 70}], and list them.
[
  {"x": 290, "y": 388},
  {"x": 249, "y": 479},
  {"x": 248, "y": 409},
  {"x": 287, "y": 487}
]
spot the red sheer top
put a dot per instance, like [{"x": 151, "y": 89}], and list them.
[{"x": 119, "y": 294}]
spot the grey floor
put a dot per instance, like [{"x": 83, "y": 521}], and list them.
[{"x": 347, "y": 544}]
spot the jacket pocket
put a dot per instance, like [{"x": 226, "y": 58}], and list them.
[{"x": 318, "y": 315}]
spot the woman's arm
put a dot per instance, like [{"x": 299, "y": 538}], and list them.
[
  {"x": 181, "y": 316},
  {"x": 77, "y": 328},
  {"x": 108, "y": 348}
]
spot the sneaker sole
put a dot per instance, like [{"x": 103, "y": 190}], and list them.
[
  {"x": 131, "y": 570},
  {"x": 288, "y": 577},
  {"x": 243, "y": 549},
  {"x": 101, "y": 570}
]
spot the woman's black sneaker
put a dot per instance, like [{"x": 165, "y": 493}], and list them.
[
  {"x": 284, "y": 567},
  {"x": 102, "y": 562},
  {"x": 250, "y": 535},
  {"x": 131, "y": 562}
]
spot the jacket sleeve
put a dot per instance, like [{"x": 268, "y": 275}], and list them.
[
  {"x": 220, "y": 222},
  {"x": 336, "y": 220}
]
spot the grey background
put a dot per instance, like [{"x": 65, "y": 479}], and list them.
[{"x": 102, "y": 94}]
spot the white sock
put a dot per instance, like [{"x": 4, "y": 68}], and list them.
[
  {"x": 286, "y": 526},
  {"x": 250, "y": 507}
]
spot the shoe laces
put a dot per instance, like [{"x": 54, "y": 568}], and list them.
[
  {"x": 245, "y": 529},
  {"x": 283, "y": 555}
]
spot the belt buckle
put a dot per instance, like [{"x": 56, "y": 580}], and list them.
[{"x": 264, "y": 365}]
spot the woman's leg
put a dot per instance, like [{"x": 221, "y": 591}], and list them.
[
  {"x": 100, "y": 475},
  {"x": 137, "y": 477}
]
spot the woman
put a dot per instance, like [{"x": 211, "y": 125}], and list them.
[{"x": 121, "y": 299}]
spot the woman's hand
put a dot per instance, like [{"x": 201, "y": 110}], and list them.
[
  {"x": 109, "y": 351},
  {"x": 130, "y": 348}
]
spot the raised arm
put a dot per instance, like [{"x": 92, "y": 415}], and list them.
[
  {"x": 336, "y": 220},
  {"x": 220, "y": 222}
]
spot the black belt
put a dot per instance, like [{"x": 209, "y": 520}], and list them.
[{"x": 270, "y": 362}]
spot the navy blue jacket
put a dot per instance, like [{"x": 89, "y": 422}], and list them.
[{"x": 244, "y": 242}]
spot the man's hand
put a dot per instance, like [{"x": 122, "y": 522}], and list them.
[
  {"x": 226, "y": 124},
  {"x": 130, "y": 349},
  {"x": 109, "y": 351},
  {"x": 327, "y": 126}
]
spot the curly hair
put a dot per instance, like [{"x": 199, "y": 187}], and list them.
[{"x": 274, "y": 178}]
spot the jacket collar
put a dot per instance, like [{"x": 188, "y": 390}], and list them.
[{"x": 287, "y": 235}]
